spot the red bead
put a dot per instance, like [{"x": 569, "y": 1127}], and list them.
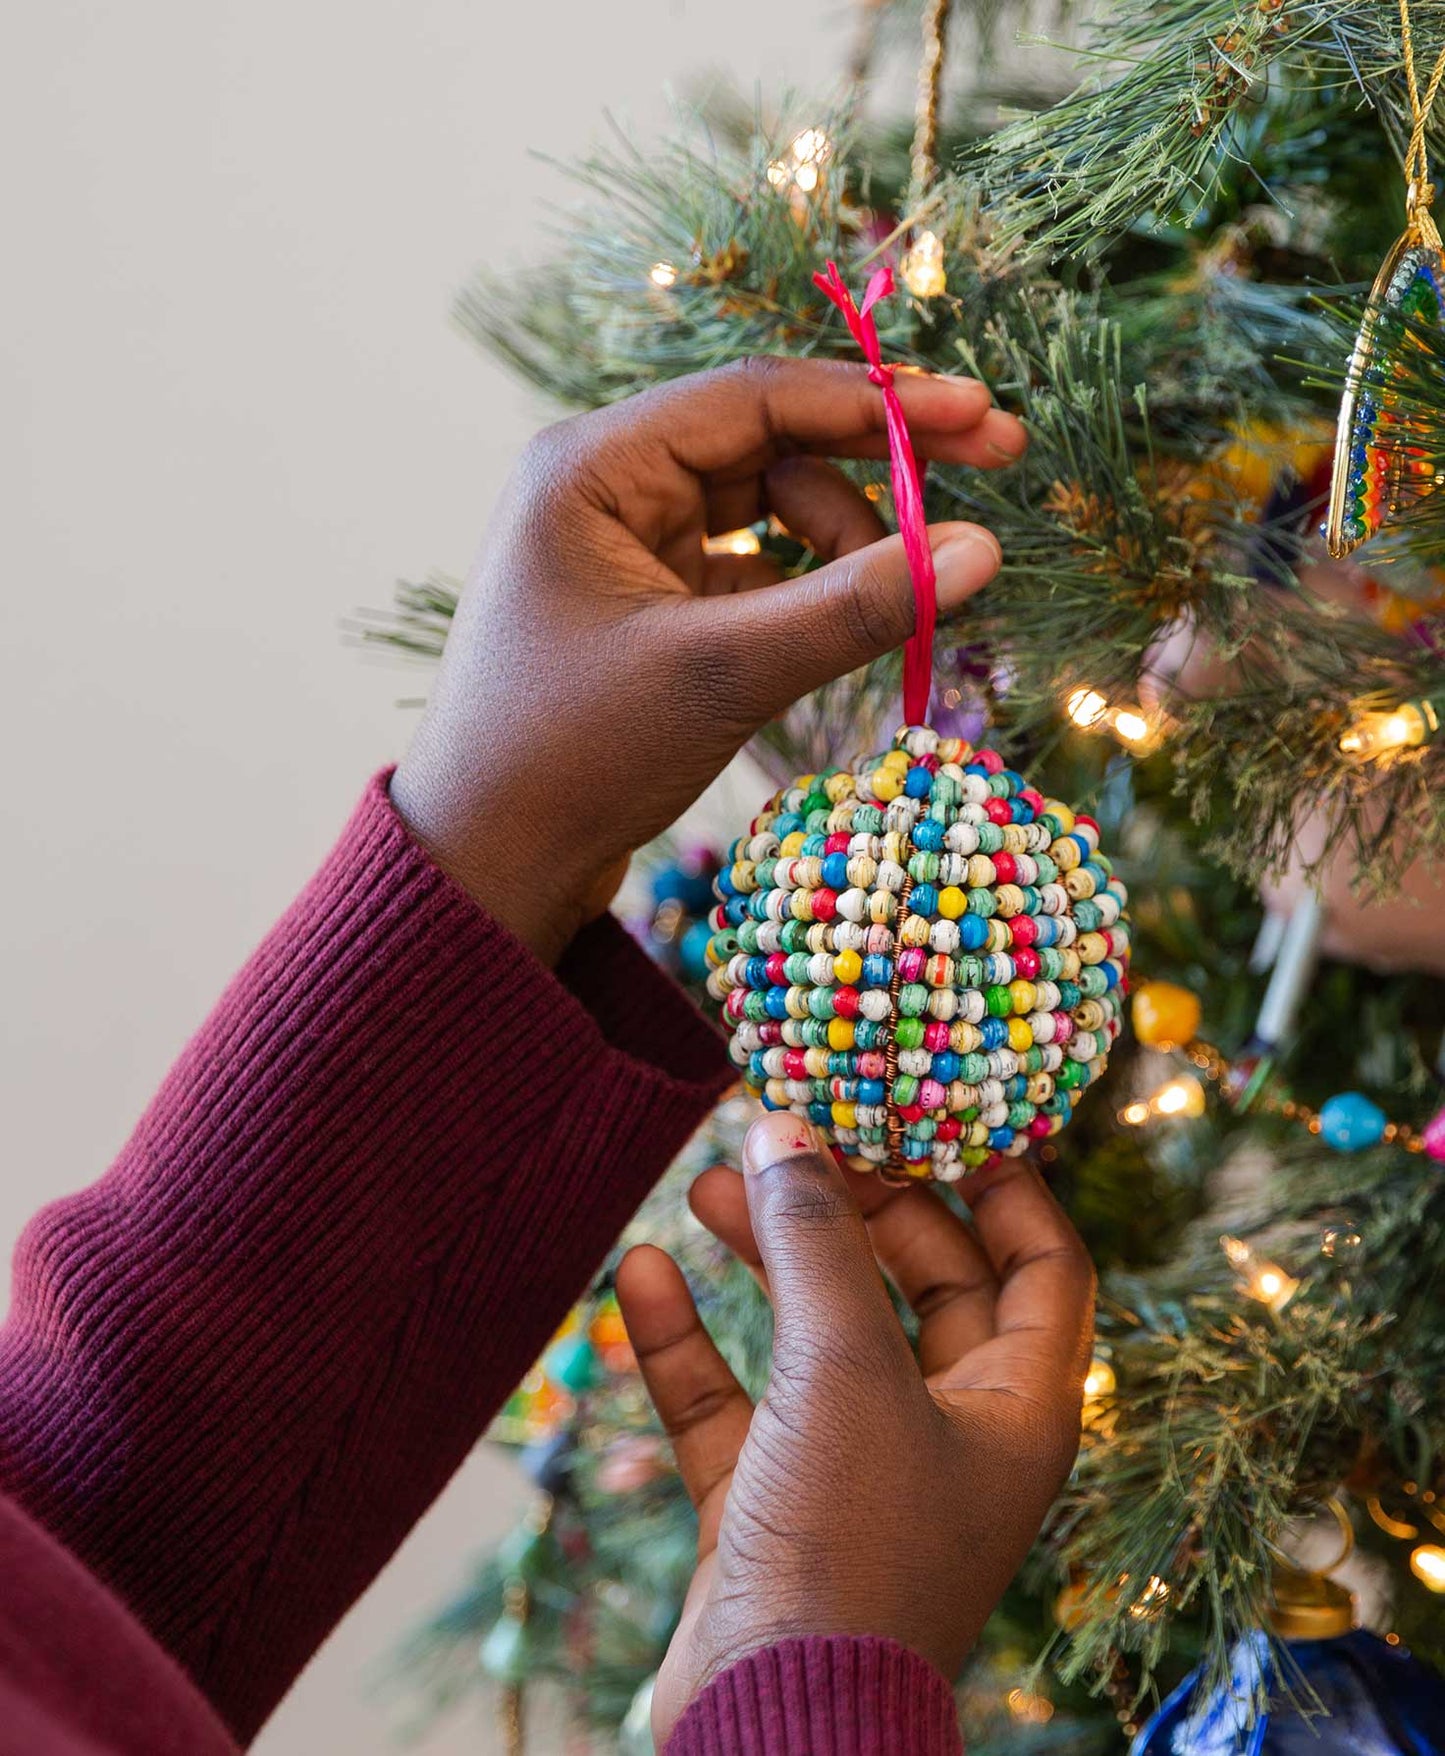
[
  {"x": 733, "y": 1005},
  {"x": 911, "y": 1112},
  {"x": 1005, "y": 867},
  {"x": 1083, "y": 822},
  {"x": 1023, "y": 929},
  {"x": 936, "y": 1036},
  {"x": 1026, "y": 963},
  {"x": 930, "y": 762},
  {"x": 989, "y": 760},
  {"x": 795, "y": 1064},
  {"x": 1040, "y": 1126},
  {"x": 999, "y": 811},
  {"x": 1034, "y": 800},
  {"x": 770, "y": 1033},
  {"x": 776, "y": 967},
  {"x": 837, "y": 844},
  {"x": 949, "y": 1129},
  {"x": 825, "y": 903},
  {"x": 911, "y": 963},
  {"x": 845, "y": 1002}
]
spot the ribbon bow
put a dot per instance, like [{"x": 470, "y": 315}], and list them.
[{"x": 907, "y": 486}]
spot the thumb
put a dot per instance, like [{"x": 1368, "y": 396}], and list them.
[
  {"x": 793, "y": 637},
  {"x": 828, "y": 1297}
]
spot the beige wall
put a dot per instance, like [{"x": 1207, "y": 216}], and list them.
[{"x": 232, "y": 410}]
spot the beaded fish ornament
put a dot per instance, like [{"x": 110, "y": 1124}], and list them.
[{"x": 1378, "y": 472}]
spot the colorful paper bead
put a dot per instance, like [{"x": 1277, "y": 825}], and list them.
[
  {"x": 1165, "y": 1015},
  {"x": 1349, "y": 1122},
  {"x": 921, "y": 955}
]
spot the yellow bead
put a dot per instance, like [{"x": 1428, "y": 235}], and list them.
[
  {"x": 845, "y": 1116},
  {"x": 899, "y": 761},
  {"x": 840, "y": 1034},
  {"x": 1020, "y": 1036},
  {"x": 1165, "y": 1013},
  {"x": 1065, "y": 816},
  {"x": 884, "y": 784},
  {"x": 1064, "y": 853},
  {"x": 792, "y": 845},
  {"x": 847, "y": 966},
  {"x": 952, "y": 902},
  {"x": 1023, "y": 996}
]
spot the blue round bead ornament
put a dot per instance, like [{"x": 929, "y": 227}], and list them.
[{"x": 1349, "y": 1122}]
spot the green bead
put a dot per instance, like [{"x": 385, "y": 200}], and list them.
[
  {"x": 999, "y": 1001},
  {"x": 913, "y": 1000},
  {"x": 820, "y": 1002},
  {"x": 1072, "y": 1073},
  {"x": 794, "y": 936},
  {"x": 908, "y": 1033},
  {"x": 795, "y": 967},
  {"x": 815, "y": 1033},
  {"x": 990, "y": 838},
  {"x": 982, "y": 902},
  {"x": 905, "y": 1089},
  {"x": 923, "y": 867},
  {"x": 1020, "y": 1114}
]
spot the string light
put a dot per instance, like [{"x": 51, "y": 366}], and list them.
[
  {"x": 922, "y": 267},
  {"x": 1265, "y": 1281},
  {"x": 1100, "y": 1380},
  {"x": 1151, "y": 1601},
  {"x": 1177, "y": 1098},
  {"x": 1032, "y": 1710},
  {"x": 662, "y": 274},
  {"x": 733, "y": 542},
  {"x": 1091, "y": 711},
  {"x": 801, "y": 166},
  {"x": 1427, "y": 1563},
  {"x": 1379, "y": 735}
]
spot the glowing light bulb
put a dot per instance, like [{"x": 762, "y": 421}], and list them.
[
  {"x": 1134, "y": 1115},
  {"x": 1131, "y": 726},
  {"x": 1181, "y": 1097},
  {"x": 806, "y": 178},
  {"x": 1086, "y": 707},
  {"x": 662, "y": 274},
  {"x": 1031, "y": 1710},
  {"x": 1100, "y": 1380},
  {"x": 1151, "y": 1601},
  {"x": 1376, "y": 735},
  {"x": 733, "y": 542},
  {"x": 810, "y": 147},
  {"x": 1427, "y": 1563},
  {"x": 1265, "y": 1281},
  {"x": 922, "y": 267}
]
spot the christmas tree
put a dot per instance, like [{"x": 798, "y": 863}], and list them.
[{"x": 1160, "y": 251}]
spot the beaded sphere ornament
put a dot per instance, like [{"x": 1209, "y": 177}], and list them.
[{"x": 922, "y": 955}]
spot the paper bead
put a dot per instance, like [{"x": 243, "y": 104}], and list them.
[
  {"x": 1433, "y": 1137},
  {"x": 921, "y": 955},
  {"x": 1165, "y": 1015}
]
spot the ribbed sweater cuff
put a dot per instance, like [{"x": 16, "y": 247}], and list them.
[{"x": 836, "y": 1696}]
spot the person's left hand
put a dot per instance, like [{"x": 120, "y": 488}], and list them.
[{"x": 870, "y": 1492}]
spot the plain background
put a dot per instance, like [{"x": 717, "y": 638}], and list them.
[{"x": 232, "y": 410}]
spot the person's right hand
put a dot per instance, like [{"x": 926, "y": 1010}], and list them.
[{"x": 870, "y": 1492}]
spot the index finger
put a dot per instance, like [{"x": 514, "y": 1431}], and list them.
[
  {"x": 1044, "y": 1310},
  {"x": 746, "y": 415}
]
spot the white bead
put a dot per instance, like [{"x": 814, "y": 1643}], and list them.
[
  {"x": 914, "y": 1061},
  {"x": 849, "y": 936},
  {"x": 875, "y": 1004},
  {"x": 891, "y": 876},
  {"x": 943, "y": 1004},
  {"x": 961, "y": 838},
  {"x": 853, "y": 904},
  {"x": 972, "y": 1007},
  {"x": 944, "y": 937}
]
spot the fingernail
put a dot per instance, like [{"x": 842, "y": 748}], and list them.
[
  {"x": 964, "y": 561},
  {"x": 1012, "y": 442},
  {"x": 775, "y": 1138}
]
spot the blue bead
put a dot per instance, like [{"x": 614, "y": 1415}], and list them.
[
  {"x": 771, "y": 1103},
  {"x": 723, "y": 884},
  {"x": 822, "y": 1114},
  {"x": 1349, "y": 1122},
  {"x": 735, "y": 909},
  {"x": 1015, "y": 1088},
  {"x": 972, "y": 932},
  {"x": 814, "y": 846},
  {"x": 928, "y": 835},
  {"x": 917, "y": 783},
  {"x": 994, "y": 1033},
  {"x": 775, "y": 1003},
  {"x": 923, "y": 900},
  {"x": 1112, "y": 972},
  {"x": 945, "y": 1066},
  {"x": 757, "y": 1072},
  {"x": 692, "y": 951},
  {"x": 787, "y": 823},
  {"x": 877, "y": 971},
  {"x": 871, "y": 1091},
  {"x": 999, "y": 1138},
  {"x": 835, "y": 871}
]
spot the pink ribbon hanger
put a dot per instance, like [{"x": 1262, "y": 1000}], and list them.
[{"x": 907, "y": 486}]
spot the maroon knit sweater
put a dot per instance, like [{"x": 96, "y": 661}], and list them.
[{"x": 238, "y": 1368}]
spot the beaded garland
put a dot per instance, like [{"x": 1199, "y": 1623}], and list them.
[{"x": 922, "y": 955}]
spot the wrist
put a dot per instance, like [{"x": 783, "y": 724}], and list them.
[{"x": 483, "y": 847}]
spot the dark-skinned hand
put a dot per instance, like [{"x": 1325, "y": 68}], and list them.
[
  {"x": 870, "y": 1491},
  {"x": 602, "y": 669}
]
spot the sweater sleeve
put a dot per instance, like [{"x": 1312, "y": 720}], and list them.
[
  {"x": 842, "y": 1695},
  {"x": 238, "y": 1368}
]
